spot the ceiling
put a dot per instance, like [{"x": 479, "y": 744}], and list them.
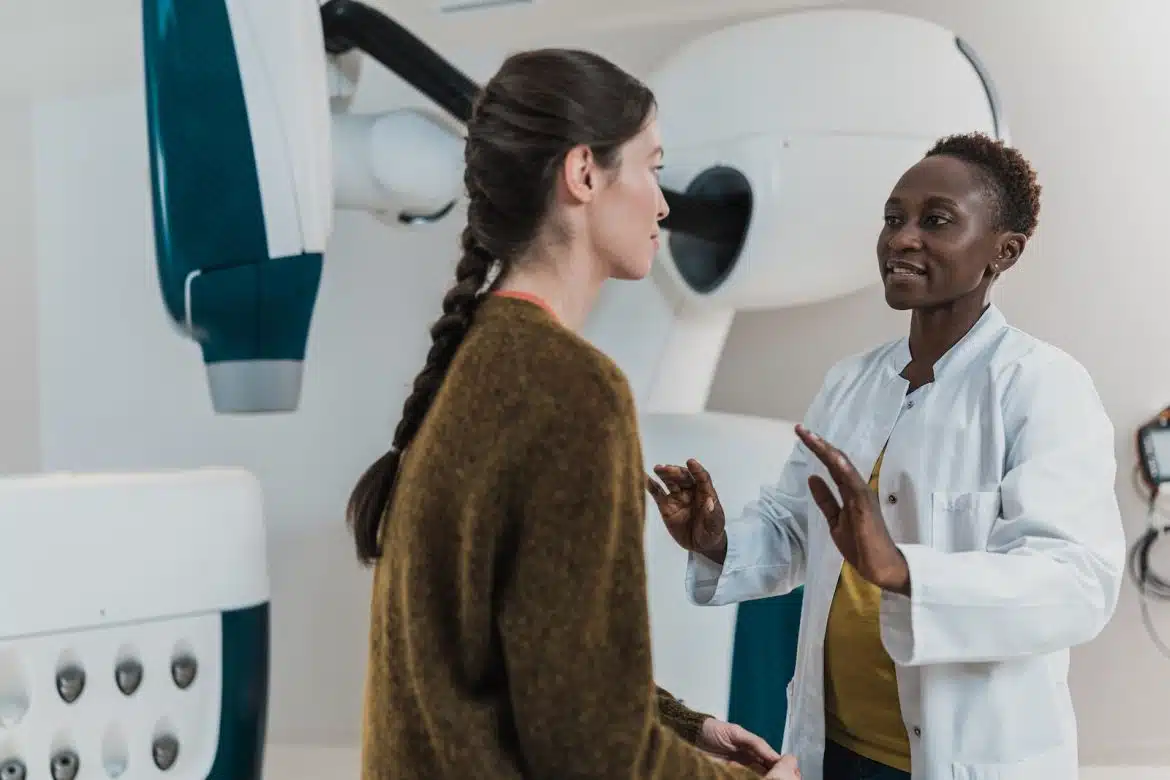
[{"x": 95, "y": 44}]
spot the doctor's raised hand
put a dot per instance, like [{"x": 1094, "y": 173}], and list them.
[
  {"x": 690, "y": 508},
  {"x": 856, "y": 523}
]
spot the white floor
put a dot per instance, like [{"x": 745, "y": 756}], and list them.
[{"x": 285, "y": 762}]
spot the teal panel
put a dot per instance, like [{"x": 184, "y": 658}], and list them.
[
  {"x": 260, "y": 311},
  {"x": 763, "y": 661},
  {"x": 205, "y": 187},
  {"x": 243, "y": 722}
]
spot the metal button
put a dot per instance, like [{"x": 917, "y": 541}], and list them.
[
  {"x": 891, "y": 499},
  {"x": 13, "y": 769},
  {"x": 183, "y": 670},
  {"x": 165, "y": 750},
  {"x": 128, "y": 676},
  {"x": 70, "y": 682},
  {"x": 64, "y": 765}
]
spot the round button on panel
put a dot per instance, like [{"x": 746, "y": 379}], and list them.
[
  {"x": 165, "y": 751},
  {"x": 183, "y": 669},
  {"x": 64, "y": 765},
  {"x": 128, "y": 676},
  {"x": 13, "y": 769},
  {"x": 70, "y": 682}
]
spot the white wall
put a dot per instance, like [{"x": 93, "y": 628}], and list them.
[
  {"x": 19, "y": 402},
  {"x": 1088, "y": 103}
]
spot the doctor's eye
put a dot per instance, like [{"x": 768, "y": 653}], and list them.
[
  {"x": 936, "y": 220},
  {"x": 891, "y": 220}
]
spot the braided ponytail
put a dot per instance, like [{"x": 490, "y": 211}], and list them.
[{"x": 372, "y": 494}]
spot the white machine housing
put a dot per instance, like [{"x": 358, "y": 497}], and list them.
[
  {"x": 123, "y": 567},
  {"x": 401, "y": 161},
  {"x": 830, "y": 107},
  {"x": 821, "y": 111},
  {"x": 289, "y": 117}
]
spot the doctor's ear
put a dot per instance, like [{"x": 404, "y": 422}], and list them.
[
  {"x": 1011, "y": 246},
  {"x": 580, "y": 172}
]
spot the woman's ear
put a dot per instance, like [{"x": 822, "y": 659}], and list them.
[{"x": 579, "y": 171}]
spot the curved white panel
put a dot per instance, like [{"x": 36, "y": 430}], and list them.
[
  {"x": 820, "y": 72},
  {"x": 813, "y": 109},
  {"x": 91, "y": 550}
]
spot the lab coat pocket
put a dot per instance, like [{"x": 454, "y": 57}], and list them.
[
  {"x": 962, "y": 522},
  {"x": 1056, "y": 765}
]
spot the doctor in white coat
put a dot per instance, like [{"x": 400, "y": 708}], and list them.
[{"x": 949, "y": 509}]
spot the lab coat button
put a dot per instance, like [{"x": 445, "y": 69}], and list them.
[
  {"x": 909, "y": 404},
  {"x": 917, "y": 731},
  {"x": 891, "y": 499}
]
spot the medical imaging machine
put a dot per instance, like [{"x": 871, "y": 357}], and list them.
[{"x": 143, "y": 652}]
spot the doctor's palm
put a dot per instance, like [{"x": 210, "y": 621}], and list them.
[{"x": 690, "y": 507}]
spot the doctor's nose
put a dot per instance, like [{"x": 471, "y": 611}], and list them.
[{"x": 905, "y": 239}]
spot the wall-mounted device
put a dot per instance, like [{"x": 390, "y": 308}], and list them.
[
  {"x": 1153, "y": 444},
  {"x": 1153, "y": 450}
]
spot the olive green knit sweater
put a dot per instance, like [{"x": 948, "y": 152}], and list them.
[{"x": 509, "y": 629}]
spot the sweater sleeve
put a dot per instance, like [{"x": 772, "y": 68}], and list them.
[
  {"x": 681, "y": 719},
  {"x": 573, "y": 616}
]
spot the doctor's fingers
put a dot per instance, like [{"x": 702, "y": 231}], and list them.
[
  {"x": 676, "y": 478},
  {"x": 825, "y": 499},
  {"x": 706, "y": 498},
  {"x": 841, "y": 469},
  {"x": 656, "y": 491}
]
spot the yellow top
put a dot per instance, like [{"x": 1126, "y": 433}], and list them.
[{"x": 862, "y": 712}]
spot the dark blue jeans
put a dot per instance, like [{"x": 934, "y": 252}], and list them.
[{"x": 842, "y": 764}]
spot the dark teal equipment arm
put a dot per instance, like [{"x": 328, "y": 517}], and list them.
[{"x": 249, "y": 311}]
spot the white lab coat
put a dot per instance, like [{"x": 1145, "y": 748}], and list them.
[{"x": 998, "y": 486}]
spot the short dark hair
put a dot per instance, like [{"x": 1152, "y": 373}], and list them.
[
  {"x": 538, "y": 107},
  {"x": 1010, "y": 177}
]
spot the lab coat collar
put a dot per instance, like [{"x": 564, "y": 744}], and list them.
[{"x": 989, "y": 324}]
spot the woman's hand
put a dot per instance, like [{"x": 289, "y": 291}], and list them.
[
  {"x": 690, "y": 508},
  {"x": 856, "y": 524},
  {"x": 733, "y": 742}
]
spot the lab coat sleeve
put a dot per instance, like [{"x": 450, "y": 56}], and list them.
[
  {"x": 767, "y": 546},
  {"x": 1050, "y": 575}
]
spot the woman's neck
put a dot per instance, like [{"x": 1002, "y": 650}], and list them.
[{"x": 569, "y": 289}]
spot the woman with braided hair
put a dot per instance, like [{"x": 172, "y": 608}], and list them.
[{"x": 510, "y": 632}]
